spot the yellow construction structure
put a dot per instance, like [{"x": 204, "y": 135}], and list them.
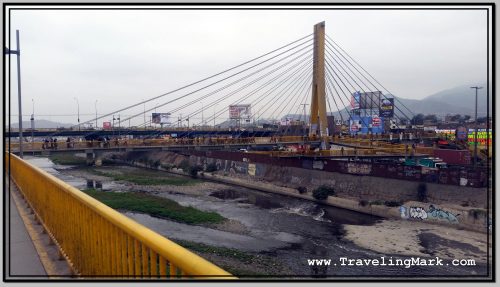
[{"x": 319, "y": 123}]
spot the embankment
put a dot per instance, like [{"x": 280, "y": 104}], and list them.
[{"x": 458, "y": 206}]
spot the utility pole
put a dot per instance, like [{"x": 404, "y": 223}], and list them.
[
  {"x": 18, "y": 53},
  {"x": 95, "y": 105},
  {"x": 78, "y": 108},
  {"x": 305, "y": 118},
  {"x": 475, "y": 128},
  {"x": 32, "y": 119}
]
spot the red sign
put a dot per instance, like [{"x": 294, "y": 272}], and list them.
[
  {"x": 376, "y": 121},
  {"x": 106, "y": 125}
]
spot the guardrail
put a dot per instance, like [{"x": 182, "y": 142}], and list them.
[{"x": 98, "y": 241}]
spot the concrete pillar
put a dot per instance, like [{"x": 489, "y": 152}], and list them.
[
  {"x": 97, "y": 159},
  {"x": 90, "y": 158}
]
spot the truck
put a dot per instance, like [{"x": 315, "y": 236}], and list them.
[{"x": 428, "y": 162}]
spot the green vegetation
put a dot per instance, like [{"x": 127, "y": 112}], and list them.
[
  {"x": 211, "y": 167},
  {"x": 148, "y": 179},
  {"x": 302, "y": 189},
  {"x": 193, "y": 171},
  {"x": 67, "y": 159},
  {"x": 322, "y": 192},
  {"x": 154, "y": 206},
  {"x": 220, "y": 251}
]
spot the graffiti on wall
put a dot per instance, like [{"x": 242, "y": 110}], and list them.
[
  {"x": 251, "y": 169},
  {"x": 432, "y": 213},
  {"x": 359, "y": 168},
  {"x": 440, "y": 214}
]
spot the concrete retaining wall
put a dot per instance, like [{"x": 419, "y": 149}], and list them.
[{"x": 458, "y": 206}]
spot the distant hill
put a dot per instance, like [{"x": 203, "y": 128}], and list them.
[
  {"x": 42, "y": 124},
  {"x": 457, "y": 100},
  {"x": 463, "y": 98}
]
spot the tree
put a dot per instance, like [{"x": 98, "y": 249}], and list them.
[
  {"x": 455, "y": 118},
  {"x": 417, "y": 119},
  {"x": 466, "y": 118},
  {"x": 431, "y": 118}
]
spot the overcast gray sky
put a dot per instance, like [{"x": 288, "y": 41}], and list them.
[{"x": 120, "y": 57}]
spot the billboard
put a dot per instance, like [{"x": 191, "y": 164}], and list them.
[
  {"x": 106, "y": 125},
  {"x": 366, "y": 100},
  {"x": 161, "y": 118},
  {"x": 386, "y": 109},
  {"x": 355, "y": 98},
  {"x": 240, "y": 112},
  {"x": 366, "y": 124},
  {"x": 483, "y": 137}
]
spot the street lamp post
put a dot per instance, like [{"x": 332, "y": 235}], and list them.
[
  {"x": 32, "y": 119},
  {"x": 18, "y": 53},
  {"x": 475, "y": 127},
  {"x": 95, "y": 105},
  {"x": 78, "y": 110}
]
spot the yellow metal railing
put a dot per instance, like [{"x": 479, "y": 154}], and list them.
[{"x": 99, "y": 241}]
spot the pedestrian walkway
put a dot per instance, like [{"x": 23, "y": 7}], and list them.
[
  {"x": 31, "y": 253},
  {"x": 23, "y": 261}
]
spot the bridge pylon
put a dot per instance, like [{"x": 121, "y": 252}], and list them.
[{"x": 318, "y": 120}]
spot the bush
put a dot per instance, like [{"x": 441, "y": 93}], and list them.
[
  {"x": 322, "y": 192},
  {"x": 211, "y": 167},
  {"x": 422, "y": 192},
  {"x": 392, "y": 203},
  {"x": 184, "y": 165},
  {"x": 363, "y": 202},
  {"x": 193, "y": 171},
  {"x": 377, "y": 202},
  {"x": 302, "y": 189}
]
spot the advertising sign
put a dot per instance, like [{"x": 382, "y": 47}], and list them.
[
  {"x": 376, "y": 121},
  {"x": 355, "y": 98},
  {"x": 366, "y": 124},
  {"x": 446, "y": 134},
  {"x": 240, "y": 111},
  {"x": 461, "y": 133},
  {"x": 386, "y": 108},
  {"x": 370, "y": 100},
  {"x": 106, "y": 125},
  {"x": 161, "y": 118},
  {"x": 483, "y": 137}
]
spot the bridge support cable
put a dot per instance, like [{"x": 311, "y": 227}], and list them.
[
  {"x": 332, "y": 72},
  {"x": 343, "y": 65},
  {"x": 302, "y": 61},
  {"x": 342, "y": 70},
  {"x": 300, "y": 91},
  {"x": 304, "y": 40},
  {"x": 266, "y": 93},
  {"x": 297, "y": 90},
  {"x": 280, "y": 95},
  {"x": 308, "y": 89},
  {"x": 262, "y": 96},
  {"x": 228, "y": 77},
  {"x": 330, "y": 86},
  {"x": 329, "y": 89},
  {"x": 287, "y": 77},
  {"x": 289, "y": 81},
  {"x": 282, "y": 98},
  {"x": 247, "y": 85},
  {"x": 361, "y": 67}
]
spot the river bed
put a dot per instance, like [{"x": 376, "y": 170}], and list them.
[{"x": 288, "y": 230}]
